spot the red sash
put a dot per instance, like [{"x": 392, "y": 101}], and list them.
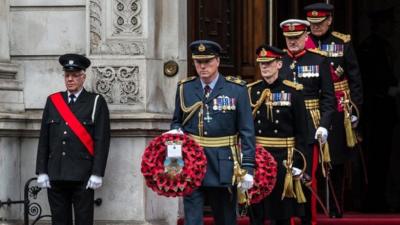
[{"x": 73, "y": 123}]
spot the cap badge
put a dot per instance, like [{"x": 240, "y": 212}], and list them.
[
  {"x": 201, "y": 48},
  {"x": 263, "y": 53},
  {"x": 314, "y": 13},
  {"x": 291, "y": 27},
  {"x": 70, "y": 62}
]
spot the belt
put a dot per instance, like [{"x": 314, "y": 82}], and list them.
[
  {"x": 312, "y": 104},
  {"x": 215, "y": 141},
  {"x": 341, "y": 85},
  {"x": 276, "y": 142}
]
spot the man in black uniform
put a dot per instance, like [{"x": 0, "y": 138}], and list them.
[
  {"x": 279, "y": 112},
  {"x": 309, "y": 68},
  {"x": 73, "y": 146},
  {"x": 215, "y": 111},
  {"x": 345, "y": 73}
]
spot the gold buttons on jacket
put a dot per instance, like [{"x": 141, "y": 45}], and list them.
[
  {"x": 278, "y": 111},
  {"x": 276, "y": 121},
  {"x": 63, "y": 153},
  {"x": 65, "y": 132},
  {"x": 259, "y": 121},
  {"x": 275, "y": 131},
  {"x": 63, "y": 142}
]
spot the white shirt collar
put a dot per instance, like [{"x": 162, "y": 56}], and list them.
[{"x": 76, "y": 94}]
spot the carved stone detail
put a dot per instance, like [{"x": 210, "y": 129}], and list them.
[
  {"x": 99, "y": 44},
  {"x": 118, "y": 85},
  {"x": 127, "y": 17}
]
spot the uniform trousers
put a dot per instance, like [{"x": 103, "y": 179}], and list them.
[
  {"x": 222, "y": 201},
  {"x": 64, "y": 196}
]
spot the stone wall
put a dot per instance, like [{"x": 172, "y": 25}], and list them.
[{"x": 128, "y": 42}]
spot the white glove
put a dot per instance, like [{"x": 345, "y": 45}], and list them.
[
  {"x": 296, "y": 172},
  {"x": 246, "y": 183},
  {"x": 43, "y": 181},
  {"x": 354, "y": 121},
  {"x": 174, "y": 131},
  {"x": 323, "y": 133},
  {"x": 94, "y": 182},
  {"x": 354, "y": 118}
]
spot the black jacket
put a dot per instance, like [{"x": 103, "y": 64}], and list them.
[
  {"x": 61, "y": 154},
  {"x": 312, "y": 71}
]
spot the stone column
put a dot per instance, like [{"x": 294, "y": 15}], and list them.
[{"x": 11, "y": 96}]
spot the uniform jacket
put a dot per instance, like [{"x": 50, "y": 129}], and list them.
[
  {"x": 222, "y": 123},
  {"x": 287, "y": 121},
  {"x": 312, "y": 71},
  {"x": 343, "y": 61},
  {"x": 61, "y": 154}
]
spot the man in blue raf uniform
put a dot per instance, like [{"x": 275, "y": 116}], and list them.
[
  {"x": 73, "y": 146},
  {"x": 345, "y": 74},
  {"x": 215, "y": 111},
  {"x": 310, "y": 68},
  {"x": 279, "y": 112}
]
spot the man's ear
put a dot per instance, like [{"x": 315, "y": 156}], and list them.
[{"x": 329, "y": 20}]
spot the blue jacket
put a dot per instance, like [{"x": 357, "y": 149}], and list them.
[{"x": 226, "y": 112}]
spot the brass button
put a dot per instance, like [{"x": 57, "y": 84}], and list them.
[
  {"x": 66, "y": 123},
  {"x": 276, "y": 121},
  {"x": 65, "y": 132},
  {"x": 259, "y": 131},
  {"x": 258, "y": 92},
  {"x": 275, "y": 131},
  {"x": 63, "y": 153},
  {"x": 205, "y": 133},
  {"x": 258, "y": 112},
  {"x": 259, "y": 121},
  {"x": 63, "y": 142},
  {"x": 278, "y": 111},
  {"x": 332, "y": 63}
]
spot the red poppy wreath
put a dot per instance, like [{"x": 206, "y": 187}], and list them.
[
  {"x": 264, "y": 177},
  {"x": 173, "y": 178}
]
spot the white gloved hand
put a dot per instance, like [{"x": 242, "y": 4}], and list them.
[
  {"x": 296, "y": 172},
  {"x": 43, "y": 181},
  {"x": 354, "y": 121},
  {"x": 174, "y": 131},
  {"x": 246, "y": 183},
  {"x": 322, "y": 132},
  {"x": 94, "y": 182}
]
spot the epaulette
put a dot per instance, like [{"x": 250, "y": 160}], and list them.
[
  {"x": 235, "y": 80},
  {"x": 317, "y": 51},
  {"x": 344, "y": 37},
  {"x": 292, "y": 84},
  {"x": 254, "y": 83},
  {"x": 186, "y": 80}
]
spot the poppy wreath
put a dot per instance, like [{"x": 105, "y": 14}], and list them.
[
  {"x": 187, "y": 179},
  {"x": 264, "y": 176}
]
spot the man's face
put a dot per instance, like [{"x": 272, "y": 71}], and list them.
[
  {"x": 270, "y": 69},
  {"x": 296, "y": 44},
  {"x": 207, "y": 69},
  {"x": 74, "y": 80},
  {"x": 319, "y": 29}
]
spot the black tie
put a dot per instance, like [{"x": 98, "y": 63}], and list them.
[
  {"x": 207, "y": 91},
  {"x": 71, "y": 99}
]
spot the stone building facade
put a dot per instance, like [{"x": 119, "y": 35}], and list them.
[{"x": 128, "y": 42}]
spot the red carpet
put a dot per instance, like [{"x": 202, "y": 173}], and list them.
[{"x": 348, "y": 219}]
